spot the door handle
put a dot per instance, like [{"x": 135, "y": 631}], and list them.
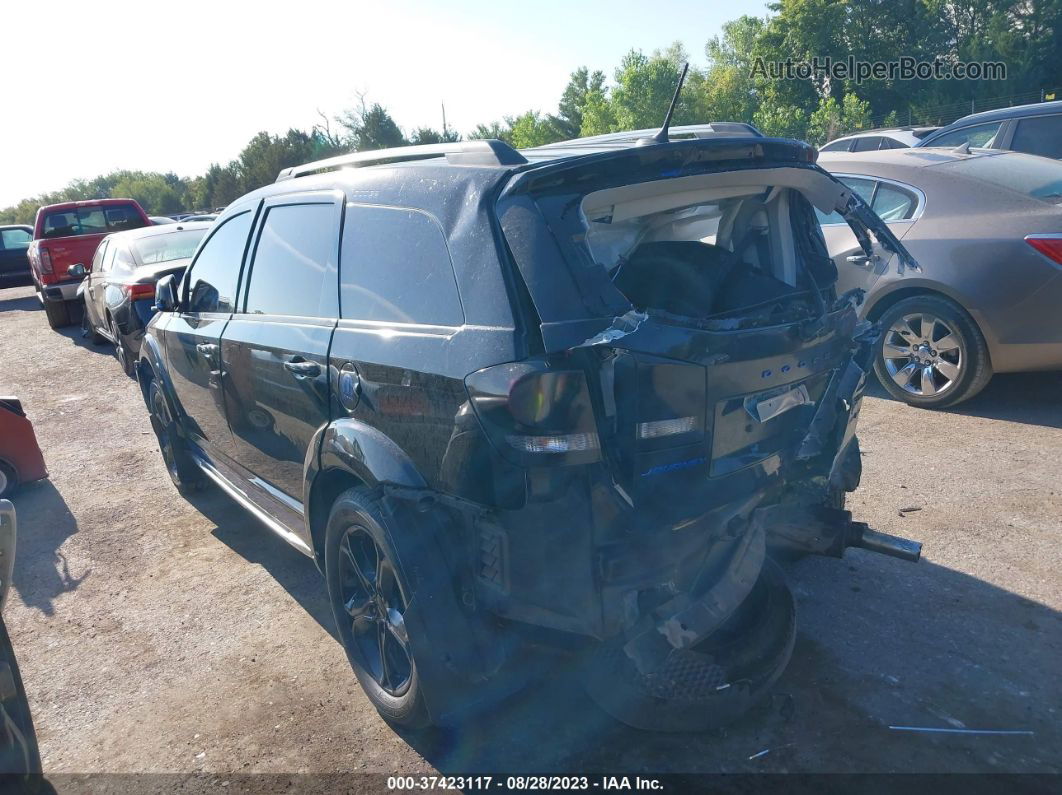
[
  {"x": 863, "y": 259},
  {"x": 207, "y": 350},
  {"x": 303, "y": 369}
]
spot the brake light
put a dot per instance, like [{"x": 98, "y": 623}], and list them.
[
  {"x": 1048, "y": 245},
  {"x": 139, "y": 290},
  {"x": 46, "y": 261},
  {"x": 534, "y": 414}
]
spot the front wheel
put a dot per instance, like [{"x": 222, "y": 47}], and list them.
[
  {"x": 931, "y": 353},
  {"x": 184, "y": 473},
  {"x": 370, "y": 594}
]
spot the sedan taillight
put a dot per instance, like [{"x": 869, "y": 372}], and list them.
[
  {"x": 136, "y": 291},
  {"x": 1048, "y": 245}
]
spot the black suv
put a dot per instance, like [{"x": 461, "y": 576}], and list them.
[{"x": 563, "y": 397}]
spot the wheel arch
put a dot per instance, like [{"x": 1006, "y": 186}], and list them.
[
  {"x": 888, "y": 300},
  {"x": 351, "y": 453}
]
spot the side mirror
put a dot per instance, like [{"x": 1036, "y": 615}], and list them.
[
  {"x": 166, "y": 294},
  {"x": 79, "y": 270}
]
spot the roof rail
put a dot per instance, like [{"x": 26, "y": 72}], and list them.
[
  {"x": 680, "y": 132},
  {"x": 488, "y": 152}
]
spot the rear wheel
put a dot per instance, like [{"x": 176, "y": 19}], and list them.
[
  {"x": 58, "y": 313},
  {"x": 184, "y": 473},
  {"x": 931, "y": 353},
  {"x": 370, "y": 594}
]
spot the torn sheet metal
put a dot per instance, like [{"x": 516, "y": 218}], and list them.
[{"x": 620, "y": 328}]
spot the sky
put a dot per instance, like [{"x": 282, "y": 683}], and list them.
[{"x": 174, "y": 87}]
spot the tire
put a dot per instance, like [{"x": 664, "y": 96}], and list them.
[
  {"x": 121, "y": 350},
  {"x": 711, "y": 684},
  {"x": 369, "y": 593},
  {"x": 8, "y": 480},
  {"x": 928, "y": 336},
  {"x": 88, "y": 329},
  {"x": 58, "y": 313},
  {"x": 184, "y": 473}
]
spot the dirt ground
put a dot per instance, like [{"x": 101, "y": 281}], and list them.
[{"x": 159, "y": 635}]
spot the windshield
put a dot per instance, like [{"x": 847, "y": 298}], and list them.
[
  {"x": 167, "y": 247},
  {"x": 91, "y": 221},
  {"x": 1035, "y": 177}
]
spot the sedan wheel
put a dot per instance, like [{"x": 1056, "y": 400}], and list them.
[
  {"x": 931, "y": 354},
  {"x": 922, "y": 355}
]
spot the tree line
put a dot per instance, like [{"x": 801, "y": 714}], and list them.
[{"x": 1026, "y": 35}]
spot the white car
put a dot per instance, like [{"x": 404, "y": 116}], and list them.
[{"x": 872, "y": 140}]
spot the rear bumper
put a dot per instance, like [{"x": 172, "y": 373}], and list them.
[{"x": 63, "y": 291}]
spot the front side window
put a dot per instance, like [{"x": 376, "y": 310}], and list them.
[
  {"x": 981, "y": 135},
  {"x": 294, "y": 267},
  {"x": 13, "y": 239},
  {"x": 396, "y": 267},
  {"x": 1039, "y": 135},
  {"x": 215, "y": 272}
]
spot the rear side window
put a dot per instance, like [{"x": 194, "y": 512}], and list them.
[
  {"x": 869, "y": 143},
  {"x": 216, "y": 271},
  {"x": 294, "y": 266},
  {"x": 1039, "y": 135},
  {"x": 893, "y": 204},
  {"x": 396, "y": 267}
]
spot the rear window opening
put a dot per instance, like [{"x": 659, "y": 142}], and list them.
[
  {"x": 712, "y": 251},
  {"x": 91, "y": 221}
]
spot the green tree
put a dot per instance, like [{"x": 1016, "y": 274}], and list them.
[
  {"x": 371, "y": 127},
  {"x": 531, "y": 129},
  {"x": 496, "y": 129},
  {"x": 429, "y": 135},
  {"x": 568, "y": 121}
]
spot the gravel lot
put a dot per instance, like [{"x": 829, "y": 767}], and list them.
[{"x": 159, "y": 635}]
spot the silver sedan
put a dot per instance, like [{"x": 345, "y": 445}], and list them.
[{"x": 986, "y": 228}]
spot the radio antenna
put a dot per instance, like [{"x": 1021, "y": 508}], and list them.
[{"x": 662, "y": 136}]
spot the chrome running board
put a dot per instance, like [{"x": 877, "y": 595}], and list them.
[{"x": 245, "y": 501}]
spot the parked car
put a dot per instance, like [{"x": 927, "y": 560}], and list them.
[
  {"x": 20, "y": 758},
  {"x": 564, "y": 394},
  {"x": 67, "y": 234},
  {"x": 14, "y": 262},
  {"x": 1035, "y": 129},
  {"x": 871, "y": 140},
  {"x": 161, "y": 219},
  {"x": 119, "y": 289},
  {"x": 986, "y": 228},
  {"x": 202, "y": 217},
  {"x": 20, "y": 456}
]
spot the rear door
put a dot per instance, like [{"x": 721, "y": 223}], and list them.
[
  {"x": 897, "y": 204},
  {"x": 275, "y": 348},
  {"x": 192, "y": 335}
]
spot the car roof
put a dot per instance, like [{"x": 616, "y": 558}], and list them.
[
  {"x": 1013, "y": 112},
  {"x": 16, "y": 226},
  {"x": 890, "y": 162},
  {"x": 159, "y": 229},
  {"x": 87, "y": 203}
]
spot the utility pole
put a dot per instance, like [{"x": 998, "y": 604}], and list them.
[{"x": 444, "y": 119}]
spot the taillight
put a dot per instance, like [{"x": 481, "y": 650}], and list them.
[
  {"x": 1048, "y": 245},
  {"x": 46, "y": 261},
  {"x": 137, "y": 291},
  {"x": 534, "y": 414}
]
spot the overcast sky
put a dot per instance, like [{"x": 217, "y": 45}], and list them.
[{"x": 92, "y": 87}]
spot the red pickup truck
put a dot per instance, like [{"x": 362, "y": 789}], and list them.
[{"x": 66, "y": 235}]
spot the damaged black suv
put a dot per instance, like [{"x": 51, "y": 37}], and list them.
[{"x": 570, "y": 396}]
